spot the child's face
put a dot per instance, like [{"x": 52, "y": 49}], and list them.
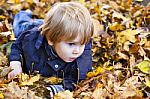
[{"x": 68, "y": 51}]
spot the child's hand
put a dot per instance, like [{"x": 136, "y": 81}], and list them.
[{"x": 16, "y": 69}]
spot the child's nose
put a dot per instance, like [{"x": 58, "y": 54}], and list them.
[{"x": 76, "y": 50}]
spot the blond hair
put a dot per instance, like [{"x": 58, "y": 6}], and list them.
[{"x": 65, "y": 21}]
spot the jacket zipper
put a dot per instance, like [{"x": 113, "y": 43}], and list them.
[
  {"x": 32, "y": 66},
  {"x": 63, "y": 77},
  {"x": 21, "y": 60},
  {"x": 78, "y": 75}
]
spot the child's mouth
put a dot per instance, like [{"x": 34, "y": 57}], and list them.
[{"x": 72, "y": 59}]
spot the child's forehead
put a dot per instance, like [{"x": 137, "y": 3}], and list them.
[{"x": 77, "y": 39}]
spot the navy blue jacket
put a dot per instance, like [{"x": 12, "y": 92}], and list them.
[{"x": 32, "y": 49}]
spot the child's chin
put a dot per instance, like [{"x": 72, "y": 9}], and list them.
[{"x": 69, "y": 60}]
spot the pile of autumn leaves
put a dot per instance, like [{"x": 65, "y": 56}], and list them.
[{"x": 121, "y": 58}]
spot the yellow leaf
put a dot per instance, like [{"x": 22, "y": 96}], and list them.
[
  {"x": 5, "y": 71},
  {"x": 137, "y": 13},
  {"x": 34, "y": 78},
  {"x": 3, "y": 58},
  {"x": 26, "y": 80},
  {"x": 99, "y": 70},
  {"x": 64, "y": 95},
  {"x": 116, "y": 26},
  {"x": 118, "y": 15},
  {"x": 12, "y": 36},
  {"x": 22, "y": 77},
  {"x": 127, "y": 35},
  {"x": 90, "y": 74},
  {"x": 98, "y": 28},
  {"x": 144, "y": 66},
  {"x": 82, "y": 1},
  {"x": 1, "y": 96},
  {"x": 30, "y": 1},
  {"x": 13, "y": 1},
  {"x": 122, "y": 55},
  {"x": 17, "y": 1},
  {"x": 110, "y": 68},
  {"x": 53, "y": 80},
  {"x": 2, "y": 17},
  {"x": 26, "y": 83},
  {"x": 139, "y": 0},
  {"x": 142, "y": 52},
  {"x": 147, "y": 82}
]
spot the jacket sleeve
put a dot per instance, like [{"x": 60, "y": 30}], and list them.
[
  {"x": 85, "y": 61},
  {"x": 71, "y": 77},
  {"x": 68, "y": 84},
  {"x": 54, "y": 89},
  {"x": 16, "y": 50},
  {"x": 23, "y": 21}
]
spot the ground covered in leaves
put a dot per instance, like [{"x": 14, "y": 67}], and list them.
[{"x": 121, "y": 52}]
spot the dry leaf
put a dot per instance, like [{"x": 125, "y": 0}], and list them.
[
  {"x": 147, "y": 82},
  {"x": 25, "y": 79},
  {"x": 98, "y": 28},
  {"x": 130, "y": 91},
  {"x": 64, "y": 95},
  {"x": 13, "y": 91},
  {"x": 144, "y": 66},
  {"x": 30, "y": 81},
  {"x": 4, "y": 71},
  {"x": 127, "y": 35},
  {"x": 116, "y": 26},
  {"x": 1, "y": 96},
  {"x": 53, "y": 80}
]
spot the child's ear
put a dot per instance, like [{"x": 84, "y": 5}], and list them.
[{"x": 50, "y": 43}]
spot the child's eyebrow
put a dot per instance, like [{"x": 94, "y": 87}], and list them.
[
  {"x": 73, "y": 42},
  {"x": 77, "y": 43}
]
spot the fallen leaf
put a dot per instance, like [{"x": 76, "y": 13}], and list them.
[
  {"x": 53, "y": 80},
  {"x": 127, "y": 35},
  {"x": 139, "y": 0},
  {"x": 98, "y": 28},
  {"x": 144, "y": 66},
  {"x": 1, "y": 96},
  {"x": 64, "y": 95},
  {"x": 31, "y": 80},
  {"x": 116, "y": 26},
  {"x": 147, "y": 82},
  {"x": 4, "y": 71},
  {"x": 25, "y": 79}
]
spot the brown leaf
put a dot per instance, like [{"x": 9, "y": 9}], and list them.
[
  {"x": 98, "y": 28},
  {"x": 116, "y": 26},
  {"x": 53, "y": 80},
  {"x": 64, "y": 95},
  {"x": 134, "y": 48},
  {"x": 25, "y": 79},
  {"x": 5, "y": 71}
]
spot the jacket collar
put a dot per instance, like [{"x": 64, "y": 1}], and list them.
[
  {"x": 50, "y": 51},
  {"x": 55, "y": 62},
  {"x": 42, "y": 41},
  {"x": 39, "y": 41}
]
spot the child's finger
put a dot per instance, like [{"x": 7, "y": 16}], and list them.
[{"x": 11, "y": 75}]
